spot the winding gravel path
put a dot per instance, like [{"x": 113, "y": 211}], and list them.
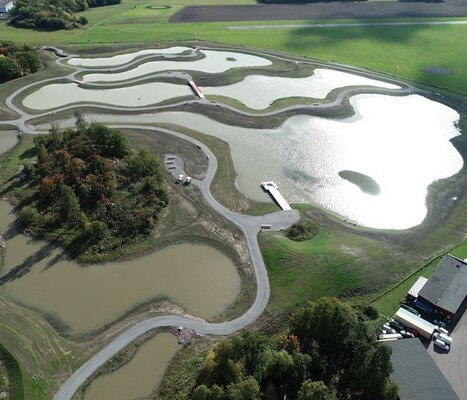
[
  {"x": 248, "y": 224},
  {"x": 250, "y": 227}
]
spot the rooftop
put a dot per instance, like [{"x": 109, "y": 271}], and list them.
[
  {"x": 417, "y": 286},
  {"x": 3, "y": 3},
  {"x": 416, "y": 374},
  {"x": 447, "y": 287}
]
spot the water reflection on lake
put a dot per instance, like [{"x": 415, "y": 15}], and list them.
[
  {"x": 402, "y": 143},
  {"x": 199, "y": 278},
  {"x": 316, "y": 86}
]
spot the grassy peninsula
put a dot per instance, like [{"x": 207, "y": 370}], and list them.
[{"x": 89, "y": 190}]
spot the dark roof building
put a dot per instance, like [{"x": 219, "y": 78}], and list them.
[
  {"x": 447, "y": 288},
  {"x": 416, "y": 374}
]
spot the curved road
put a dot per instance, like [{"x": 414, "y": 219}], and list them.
[
  {"x": 250, "y": 227},
  {"x": 248, "y": 224}
]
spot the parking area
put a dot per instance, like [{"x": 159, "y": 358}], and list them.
[{"x": 453, "y": 364}]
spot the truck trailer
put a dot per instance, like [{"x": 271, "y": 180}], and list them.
[{"x": 410, "y": 320}]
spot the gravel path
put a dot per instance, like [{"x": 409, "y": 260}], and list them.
[{"x": 250, "y": 227}]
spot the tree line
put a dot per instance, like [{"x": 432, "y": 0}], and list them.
[
  {"x": 17, "y": 61},
  {"x": 328, "y": 352},
  {"x": 53, "y": 14},
  {"x": 89, "y": 189}
]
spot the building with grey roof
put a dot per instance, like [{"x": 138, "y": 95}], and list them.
[
  {"x": 447, "y": 288},
  {"x": 416, "y": 374},
  {"x": 6, "y": 5}
]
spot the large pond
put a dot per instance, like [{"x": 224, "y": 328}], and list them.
[
  {"x": 391, "y": 140},
  {"x": 137, "y": 378},
  {"x": 199, "y": 278},
  {"x": 373, "y": 168}
]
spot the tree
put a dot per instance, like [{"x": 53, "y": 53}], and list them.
[
  {"x": 202, "y": 392},
  {"x": 145, "y": 164},
  {"x": 9, "y": 69},
  {"x": 70, "y": 208},
  {"x": 331, "y": 325},
  {"x": 110, "y": 142},
  {"x": 391, "y": 391},
  {"x": 315, "y": 391},
  {"x": 28, "y": 215},
  {"x": 247, "y": 389},
  {"x": 81, "y": 125}
]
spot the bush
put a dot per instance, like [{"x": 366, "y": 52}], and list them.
[
  {"x": 28, "y": 215},
  {"x": 304, "y": 229}
]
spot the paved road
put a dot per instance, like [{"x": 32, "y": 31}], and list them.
[
  {"x": 250, "y": 227},
  {"x": 454, "y": 363},
  {"x": 248, "y": 224}
]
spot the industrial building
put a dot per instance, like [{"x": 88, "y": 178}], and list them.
[
  {"x": 442, "y": 295},
  {"x": 416, "y": 374}
]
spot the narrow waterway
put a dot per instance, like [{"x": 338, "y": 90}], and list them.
[
  {"x": 8, "y": 139},
  {"x": 137, "y": 378}
]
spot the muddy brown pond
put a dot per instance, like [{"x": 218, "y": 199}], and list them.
[
  {"x": 200, "y": 279},
  {"x": 137, "y": 378}
]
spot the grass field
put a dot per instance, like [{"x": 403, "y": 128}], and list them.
[{"x": 401, "y": 51}]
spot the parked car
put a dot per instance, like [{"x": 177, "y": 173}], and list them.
[
  {"x": 440, "y": 323},
  {"x": 396, "y": 324},
  {"x": 388, "y": 329},
  {"x": 413, "y": 331},
  {"x": 406, "y": 334},
  {"x": 410, "y": 309},
  {"x": 443, "y": 337},
  {"x": 441, "y": 330},
  {"x": 441, "y": 344}
]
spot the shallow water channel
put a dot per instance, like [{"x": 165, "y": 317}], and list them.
[
  {"x": 8, "y": 139},
  {"x": 202, "y": 280},
  {"x": 137, "y": 378}
]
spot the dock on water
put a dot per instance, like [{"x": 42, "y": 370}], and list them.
[
  {"x": 273, "y": 190},
  {"x": 196, "y": 89}
]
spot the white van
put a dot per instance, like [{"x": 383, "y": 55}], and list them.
[
  {"x": 443, "y": 337},
  {"x": 440, "y": 329},
  {"x": 441, "y": 344},
  {"x": 393, "y": 336}
]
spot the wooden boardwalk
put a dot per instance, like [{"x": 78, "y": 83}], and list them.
[{"x": 273, "y": 190}]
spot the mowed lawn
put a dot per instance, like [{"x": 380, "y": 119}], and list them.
[{"x": 401, "y": 51}]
